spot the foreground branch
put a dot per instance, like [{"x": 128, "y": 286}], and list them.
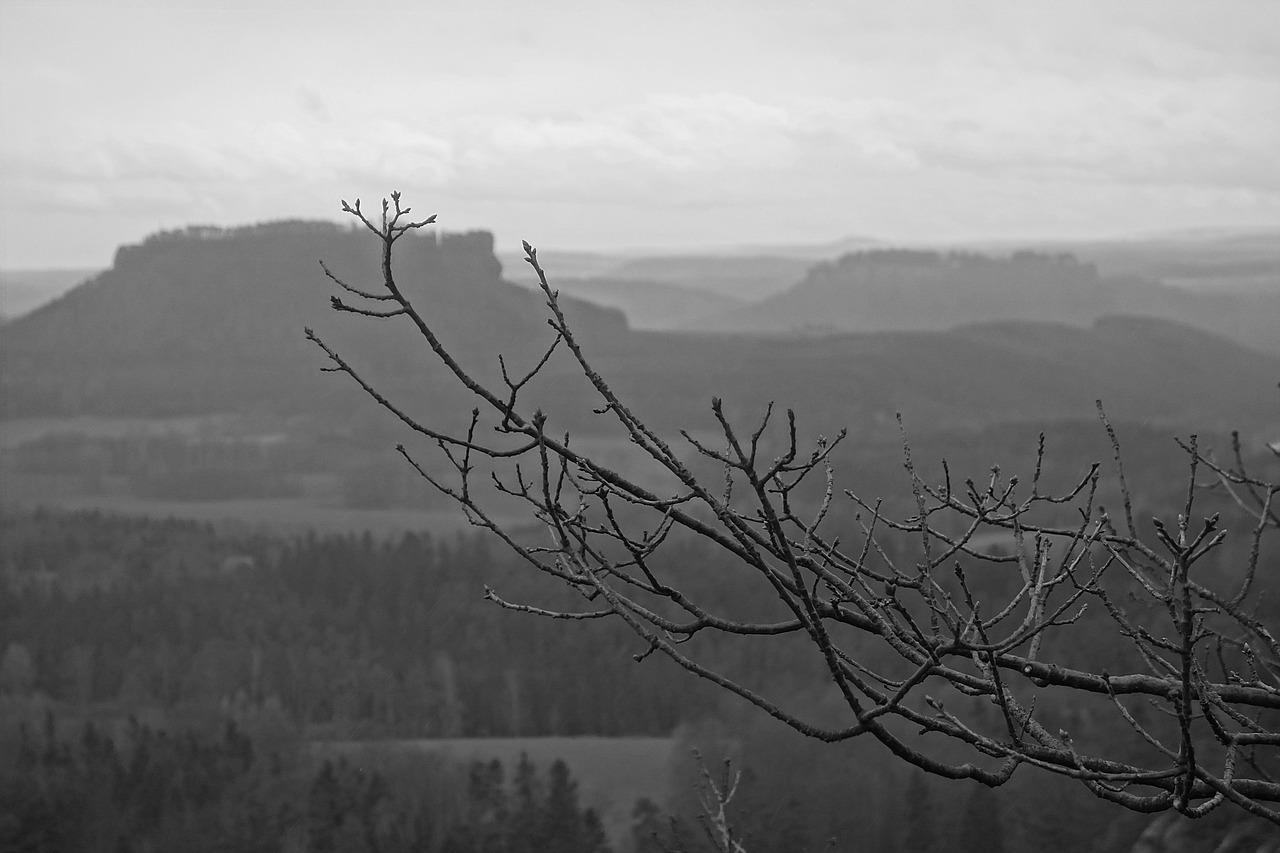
[{"x": 901, "y": 613}]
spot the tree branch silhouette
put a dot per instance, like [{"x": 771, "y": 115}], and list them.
[{"x": 915, "y": 645}]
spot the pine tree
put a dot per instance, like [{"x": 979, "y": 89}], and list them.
[
  {"x": 562, "y": 828},
  {"x": 323, "y": 812},
  {"x": 525, "y": 823}
]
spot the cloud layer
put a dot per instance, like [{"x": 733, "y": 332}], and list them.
[{"x": 600, "y": 125}]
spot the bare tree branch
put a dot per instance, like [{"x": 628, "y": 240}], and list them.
[{"x": 903, "y": 616}]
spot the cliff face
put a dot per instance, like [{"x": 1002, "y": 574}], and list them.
[{"x": 208, "y": 320}]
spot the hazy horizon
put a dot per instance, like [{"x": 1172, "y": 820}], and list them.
[{"x": 993, "y": 244}]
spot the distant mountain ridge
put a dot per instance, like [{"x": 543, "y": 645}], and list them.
[
  {"x": 980, "y": 374},
  {"x": 207, "y": 321},
  {"x": 904, "y": 289}
]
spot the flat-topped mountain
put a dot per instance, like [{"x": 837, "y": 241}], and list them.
[
  {"x": 900, "y": 290},
  {"x": 210, "y": 320}
]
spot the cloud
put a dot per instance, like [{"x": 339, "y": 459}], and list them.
[
  {"x": 209, "y": 171},
  {"x": 665, "y": 132},
  {"x": 1215, "y": 130},
  {"x": 878, "y": 115}
]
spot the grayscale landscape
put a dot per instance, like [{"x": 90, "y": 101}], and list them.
[{"x": 875, "y": 446}]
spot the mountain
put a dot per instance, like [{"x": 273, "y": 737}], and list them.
[
  {"x": 914, "y": 289},
  {"x": 211, "y": 320},
  {"x": 206, "y": 321}
]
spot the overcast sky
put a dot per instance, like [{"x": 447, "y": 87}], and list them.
[{"x": 606, "y": 124}]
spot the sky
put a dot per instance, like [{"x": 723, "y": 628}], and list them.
[{"x": 610, "y": 125}]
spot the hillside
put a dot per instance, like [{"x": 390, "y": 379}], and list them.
[
  {"x": 22, "y": 291},
  {"x": 1145, "y": 369},
  {"x": 917, "y": 290}
]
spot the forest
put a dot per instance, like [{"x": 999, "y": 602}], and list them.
[
  {"x": 154, "y": 789},
  {"x": 168, "y": 681}
]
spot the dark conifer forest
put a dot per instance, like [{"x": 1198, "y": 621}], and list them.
[{"x": 170, "y": 685}]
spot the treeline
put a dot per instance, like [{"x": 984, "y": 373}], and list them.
[
  {"x": 156, "y": 790},
  {"x": 348, "y": 636},
  {"x": 395, "y": 638},
  {"x": 58, "y": 793}
]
